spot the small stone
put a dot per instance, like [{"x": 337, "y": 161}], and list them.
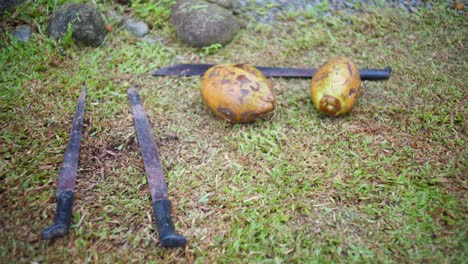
[
  {"x": 137, "y": 28},
  {"x": 22, "y": 33},
  {"x": 199, "y": 23},
  {"x": 88, "y": 26}
]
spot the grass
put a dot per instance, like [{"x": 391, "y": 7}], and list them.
[{"x": 383, "y": 184}]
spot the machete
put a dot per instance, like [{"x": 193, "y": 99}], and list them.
[
  {"x": 154, "y": 174},
  {"x": 67, "y": 176},
  {"x": 200, "y": 69}
]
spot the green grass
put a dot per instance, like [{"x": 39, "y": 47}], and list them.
[{"x": 383, "y": 184}]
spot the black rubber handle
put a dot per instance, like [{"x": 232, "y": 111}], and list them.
[
  {"x": 375, "y": 75},
  {"x": 62, "y": 218},
  {"x": 167, "y": 236}
]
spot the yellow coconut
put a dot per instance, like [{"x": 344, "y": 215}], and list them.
[
  {"x": 335, "y": 86},
  {"x": 237, "y": 92}
]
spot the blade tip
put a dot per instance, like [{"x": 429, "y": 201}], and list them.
[{"x": 155, "y": 73}]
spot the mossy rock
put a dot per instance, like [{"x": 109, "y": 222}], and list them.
[
  {"x": 88, "y": 26},
  {"x": 199, "y": 23}
]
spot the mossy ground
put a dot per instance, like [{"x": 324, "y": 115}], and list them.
[{"x": 383, "y": 184}]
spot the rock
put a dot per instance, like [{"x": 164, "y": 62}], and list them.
[
  {"x": 137, "y": 28},
  {"x": 22, "y": 33},
  {"x": 199, "y": 23},
  {"x": 6, "y": 5},
  {"x": 89, "y": 28},
  {"x": 233, "y": 5}
]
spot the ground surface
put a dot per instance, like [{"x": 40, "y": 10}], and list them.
[{"x": 384, "y": 184}]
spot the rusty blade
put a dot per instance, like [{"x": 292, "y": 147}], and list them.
[
  {"x": 200, "y": 69},
  {"x": 155, "y": 175},
  {"x": 149, "y": 151},
  {"x": 67, "y": 176},
  {"x": 69, "y": 168}
]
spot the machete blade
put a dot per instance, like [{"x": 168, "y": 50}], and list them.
[
  {"x": 183, "y": 70},
  {"x": 200, "y": 69},
  {"x": 67, "y": 176}
]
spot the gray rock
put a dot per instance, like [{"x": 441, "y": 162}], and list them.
[
  {"x": 137, "y": 28},
  {"x": 199, "y": 23},
  {"x": 228, "y": 4},
  {"x": 6, "y": 5},
  {"x": 22, "y": 33},
  {"x": 89, "y": 28}
]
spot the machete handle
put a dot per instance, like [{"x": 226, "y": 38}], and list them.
[
  {"x": 62, "y": 218},
  {"x": 375, "y": 74},
  {"x": 167, "y": 236}
]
